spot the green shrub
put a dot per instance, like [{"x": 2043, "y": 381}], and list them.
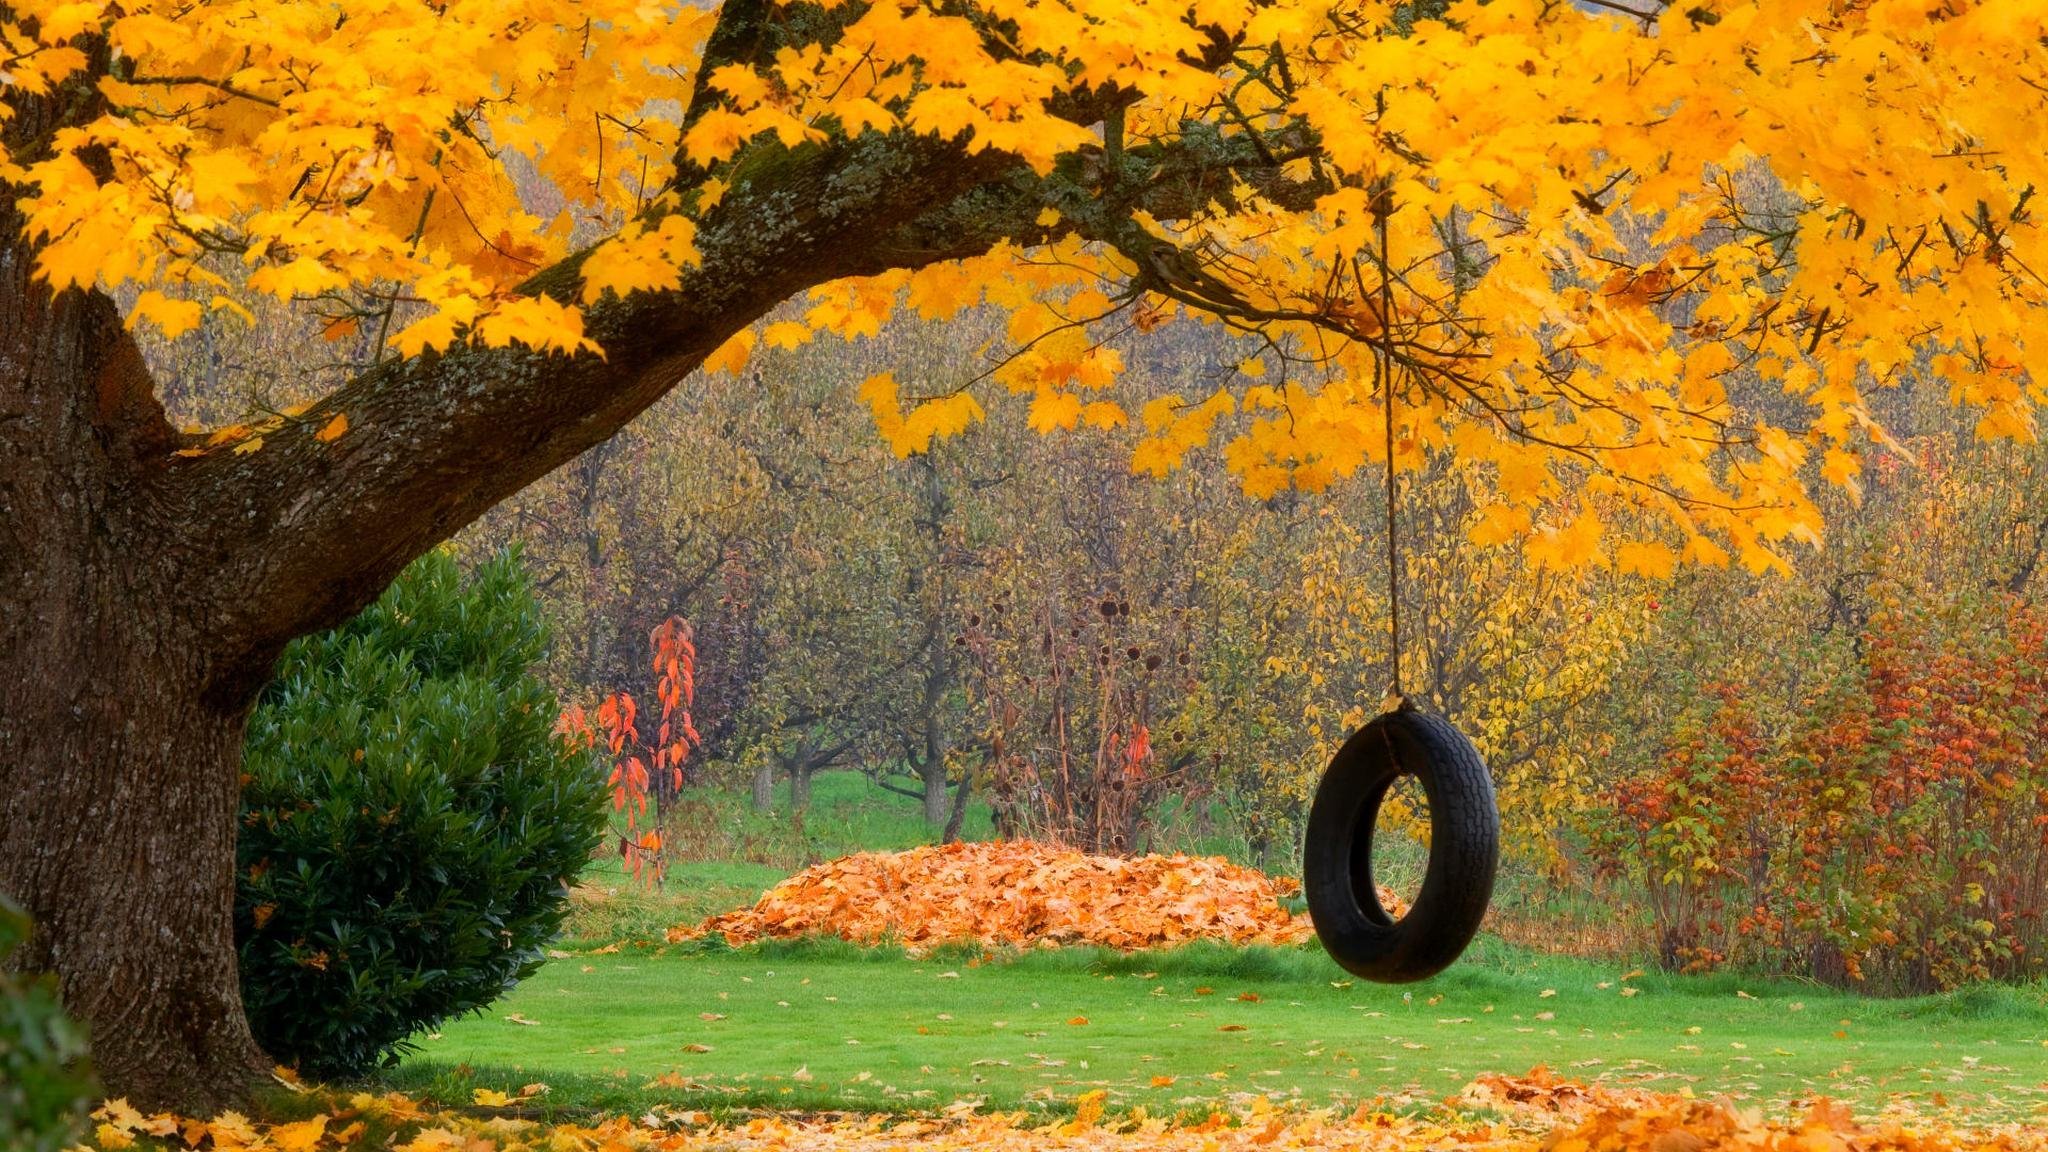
[
  {"x": 44, "y": 1087},
  {"x": 410, "y": 820}
]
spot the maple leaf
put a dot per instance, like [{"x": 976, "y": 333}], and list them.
[
  {"x": 786, "y": 334},
  {"x": 1052, "y": 409},
  {"x": 536, "y": 322},
  {"x": 172, "y": 317}
]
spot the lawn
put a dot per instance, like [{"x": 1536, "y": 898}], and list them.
[{"x": 822, "y": 1025}]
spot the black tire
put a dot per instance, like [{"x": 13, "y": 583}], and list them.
[{"x": 1464, "y": 849}]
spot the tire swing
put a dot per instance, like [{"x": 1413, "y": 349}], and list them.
[
  {"x": 1464, "y": 847},
  {"x": 1464, "y": 843}
]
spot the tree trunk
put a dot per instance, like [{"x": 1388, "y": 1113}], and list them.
[
  {"x": 958, "y": 817},
  {"x": 764, "y": 788},
  {"x": 118, "y": 773},
  {"x": 126, "y": 859},
  {"x": 935, "y": 794},
  {"x": 800, "y": 770}
]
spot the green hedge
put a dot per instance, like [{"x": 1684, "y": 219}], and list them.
[
  {"x": 44, "y": 1084},
  {"x": 410, "y": 822}
]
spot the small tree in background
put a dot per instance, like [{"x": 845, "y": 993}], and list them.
[
  {"x": 642, "y": 768},
  {"x": 410, "y": 823}
]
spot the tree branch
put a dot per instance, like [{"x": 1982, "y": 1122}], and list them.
[{"x": 302, "y": 533}]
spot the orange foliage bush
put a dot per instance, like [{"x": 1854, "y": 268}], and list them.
[
  {"x": 1021, "y": 893},
  {"x": 1894, "y": 834}
]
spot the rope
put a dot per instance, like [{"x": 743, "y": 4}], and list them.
[{"x": 1383, "y": 366}]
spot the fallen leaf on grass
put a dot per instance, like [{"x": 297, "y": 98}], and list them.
[
  {"x": 302, "y": 1136},
  {"x": 1538, "y": 1112}
]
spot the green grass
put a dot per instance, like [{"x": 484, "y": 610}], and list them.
[
  {"x": 823, "y": 1025},
  {"x": 848, "y": 813},
  {"x": 723, "y": 854}
]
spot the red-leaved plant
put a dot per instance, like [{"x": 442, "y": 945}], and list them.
[{"x": 643, "y": 769}]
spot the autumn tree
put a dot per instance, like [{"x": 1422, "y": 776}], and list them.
[{"x": 1415, "y": 213}]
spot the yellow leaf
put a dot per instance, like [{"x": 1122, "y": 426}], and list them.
[
  {"x": 1498, "y": 524},
  {"x": 740, "y": 82},
  {"x": 223, "y": 304},
  {"x": 64, "y": 21},
  {"x": 173, "y": 318},
  {"x": 302, "y": 1136},
  {"x": 714, "y": 137},
  {"x": 733, "y": 354},
  {"x": 1649, "y": 559},
  {"x": 786, "y": 334},
  {"x": 1103, "y": 414},
  {"x": 1052, "y": 409},
  {"x": 434, "y": 332},
  {"x": 333, "y": 429},
  {"x": 537, "y": 322}
]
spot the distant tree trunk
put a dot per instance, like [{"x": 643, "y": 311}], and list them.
[
  {"x": 935, "y": 808},
  {"x": 800, "y": 788},
  {"x": 797, "y": 767},
  {"x": 764, "y": 788},
  {"x": 931, "y": 771},
  {"x": 958, "y": 817},
  {"x": 930, "y": 760}
]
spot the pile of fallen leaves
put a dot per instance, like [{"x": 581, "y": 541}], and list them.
[
  {"x": 1021, "y": 893},
  {"x": 1534, "y": 1115}
]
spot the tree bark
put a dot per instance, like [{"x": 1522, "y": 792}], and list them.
[
  {"x": 934, "y": 773},
  {"x": 800, "y": 770},
  {"x": 118, "y": 774},
  {"x": 764, "y": 788},
  {"x": 958, "y": 817}
]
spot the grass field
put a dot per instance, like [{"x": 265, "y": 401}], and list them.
[
  {"x": 625, "y": 1021},
  {"x": 822, "y": 1025}
]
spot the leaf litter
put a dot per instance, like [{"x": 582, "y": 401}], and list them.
[
  {"x": 1534, "y": 1113},
  {"x": 1022, "y": 894}
]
